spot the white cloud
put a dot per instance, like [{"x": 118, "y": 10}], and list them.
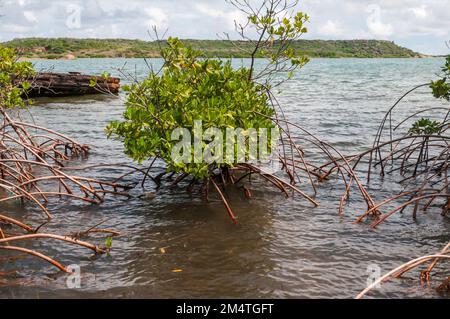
[
  {"x": 208, "y": 10},
  {"x": 157, "y": 17},
  {"x": 374, "y": 23},
  {"x": 229, "y": 17},
  {"x": 30, "y": 16},
  {"x": 13, "y": 28},
  {"x": 419, "y": 12},
  {"x": 330, "y": 28}
]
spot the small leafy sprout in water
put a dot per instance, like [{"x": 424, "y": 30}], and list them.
[
  {"x": 425, "y": 126},
  {"x": 108, "y": 243}
]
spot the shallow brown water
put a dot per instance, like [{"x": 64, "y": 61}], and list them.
[{"x": 281, "y": 248}]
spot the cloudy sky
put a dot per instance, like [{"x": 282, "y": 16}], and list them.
[{"x": 422, "y": 25}]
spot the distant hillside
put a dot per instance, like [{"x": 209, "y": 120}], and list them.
[{"x": 96, "y": 48}]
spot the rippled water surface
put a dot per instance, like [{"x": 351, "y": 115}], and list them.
[{"x": 281, "y": 248}]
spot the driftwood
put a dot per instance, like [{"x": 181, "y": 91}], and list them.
[{"x": 71, "y": 84}]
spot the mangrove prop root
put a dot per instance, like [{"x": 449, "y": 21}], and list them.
[
  {"x": 36, "y": 254},
  {"x": 225, "y": 202},
  {"x": 32, "y": 160},
  {"x": 400, "y": 270},
  {"x": 67, "y": 239},
  {"x": 419, "y": 161}
]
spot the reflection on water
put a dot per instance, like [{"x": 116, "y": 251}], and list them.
[{"x": 281, "y": 248}]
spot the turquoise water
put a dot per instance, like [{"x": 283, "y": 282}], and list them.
[{"x": 281, "y": 248}]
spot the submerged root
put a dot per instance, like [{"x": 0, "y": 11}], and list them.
[
  {"x": 32, "y": 160},
  {"x": 296, "y": 175},
  {"x": 418, "y": 160},
  {"x": 444, "y": 287},
  {"x": 399, "y": 271}
]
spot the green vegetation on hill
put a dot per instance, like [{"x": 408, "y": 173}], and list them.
[{"x": 54, "y": 48}]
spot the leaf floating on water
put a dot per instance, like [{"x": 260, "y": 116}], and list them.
[
  {"x": 162, "y": 250},
  {"x": 177, "y": 270},
  {"x": 149, "y": 195}
]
